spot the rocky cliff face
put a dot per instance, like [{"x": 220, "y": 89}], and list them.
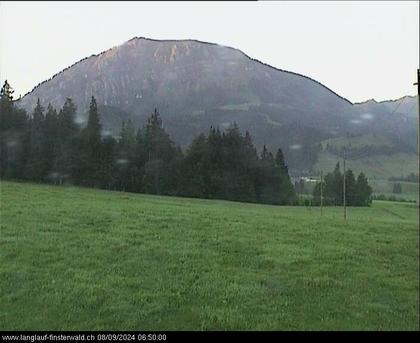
[{"x": 188, "y": 75}]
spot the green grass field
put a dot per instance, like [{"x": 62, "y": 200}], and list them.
[
  {"x": 410, "y": 190},
  {"x": 358, "y": 141},
  {"x": 376, "y": 167},
  {"x": 76, "y": 259},
  {"x": 379, "y": 167}
]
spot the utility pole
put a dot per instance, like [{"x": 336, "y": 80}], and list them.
[
  {"x": 321, "y": 194},
  {"x": 418, "y": 110},
  {"x": 344, "y": 185},
  {"x": 418, "y": 128}
]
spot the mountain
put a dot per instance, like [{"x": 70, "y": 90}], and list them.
[
  {"x": 196, "y": 84},
  {"x": 406, "y": 106}
]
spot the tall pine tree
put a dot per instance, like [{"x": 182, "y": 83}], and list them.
[
  {"x": 35, "y": 170},
  {"x": 14, "y": 142},
  {"x": 69, "y": 144},
  {"x": 91, "y": 148}
]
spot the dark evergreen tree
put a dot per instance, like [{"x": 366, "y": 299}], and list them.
[
  {"x": 67, "y": 119},
  {"x": 159, "y": 151},
  {"x": 127, "y": 162},
  {"x": 91, "y": 148},
  {"x": 69, "y": 145},
  {"x": 6, "y": 107},
  {"x": 351, "y": 188},
  {"x": 266, "y": 188},
  {"x": 196, "y": 181},
  {"x": 334, "y": 186},
  {"x": 358, "y": 192},
  {"x": 397, "y": 189},
  {"x": 14, "y": 142},
  {"x": 106, "y": 172},
  {"x": 50, "y": 145},
  {"x": 364, "y": 191},
  {"x": 158, "y": 145},
  {"x": 280, "y": 161},
  {"x": 221, "y": 165},
  {"x": 35, "y": 166}
]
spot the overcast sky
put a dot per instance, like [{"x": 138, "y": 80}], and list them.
[{"x": 359, "y": 49}]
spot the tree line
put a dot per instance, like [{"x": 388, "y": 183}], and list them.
[
  {"x": 49, "y": 146},
  {"x": 412, "y": 177},
  {"x": 362, "y": 151},
  {"x": 358, "y": 191}
]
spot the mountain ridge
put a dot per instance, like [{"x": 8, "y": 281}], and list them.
[
  {"x": 188, "y": 40},
  {"x": 196, "y": 84}
]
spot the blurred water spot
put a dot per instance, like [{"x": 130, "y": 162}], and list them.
[
  {"x": 12, "y": 143},
  {"x": 53, "y": 175},
  {"x": 79, "y": 120},
  {"x": 366, "y": 116},
  {"x": 105, "y": 133},
  {"x": 121, "y": 161},
  {"x": 295, "y": 146}
]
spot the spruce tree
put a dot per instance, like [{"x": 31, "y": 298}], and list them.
[
  {"x": 106, "y": 173},
  {"x": 287, "y": 191},
  {"x": 159, "y": 151},
  {"x": 126, "y": 158},
  {"x": 91, "y": 148},
  {"x": 34, "y": 169},
  {"x": 68, "y": 144},
  {"x": 196, "y": 181},
  {"x": 364, "y": 190},
  {"x": 336, "y": 190},
  {"x": 351, "y": 188},
  {"x": 280, "y": 161},
  {"x": 14, "y": 142},
  {"x": 397, "y": 189},
  {"x": 6, "y": 107},
  {"x": 67, "y": 119},
  {"x": 50, "y": 146}
]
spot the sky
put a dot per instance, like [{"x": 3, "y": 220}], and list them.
[{"x": 360, "y": 49}]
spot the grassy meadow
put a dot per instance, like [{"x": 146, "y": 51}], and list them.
[
  {"x": 82, "y": 259},
  {"x": 380, "y": 167}
]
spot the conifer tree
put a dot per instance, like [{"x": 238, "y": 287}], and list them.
[
  {"x": 358, "y": 192},
  {"x": 91, "y": 147},
  {"x": 397, "y": 189},
  {"x": 364, "y": 190},
  {"x": 50, "y": 146},
  {"x": 6, "y": 107},
  {"x": 351, "y": 188},
  {"x": 34, "y": 168},
  {"x": 127, "y": 168},
  {"x": 68, "y": 144},
  {"x": 159, "y": 151},
  {"x": 13, "y": 136}
]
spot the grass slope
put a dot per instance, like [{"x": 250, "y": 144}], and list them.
[
  {"x": 379, "y": 167},
  {"x": 358, "y": 141},
  {"x": 73, "y": 258}
]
